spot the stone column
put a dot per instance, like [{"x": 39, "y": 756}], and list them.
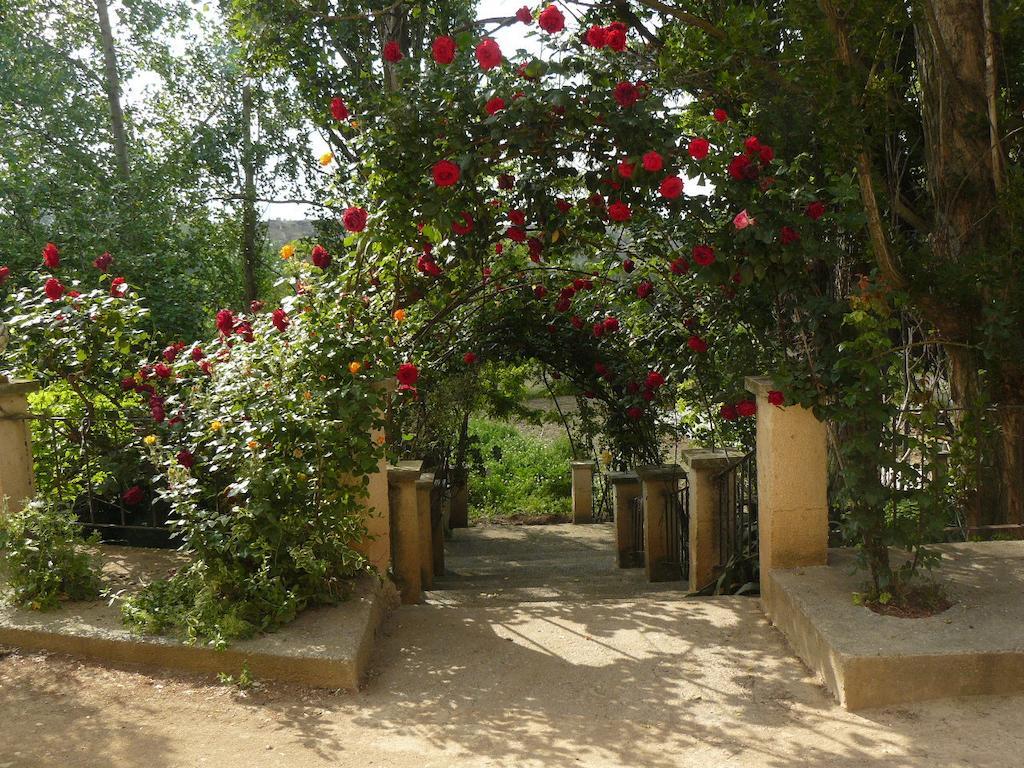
[
  {"x": 17, "y": 481},
  {"x": 626, "y": 487},
  {"x": 424, "y": 487},
  {"x": 792, "y": 485},
  {"x": 702, "y": 468},
  {"x": 656, "y": 483},
  {"x": 405, "y": 526},
  {"x": 458, "y": 517},
  {"x": 582, "y": 491}
]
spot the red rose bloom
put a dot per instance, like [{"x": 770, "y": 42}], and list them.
[
  {"x": 536, "y": 247},
  {"x": 320, "y": 257},
  {"x": 720, "y": 115},
  {"x": 671, "y": 187},
  {"x": 577, "y": 322},
  {"x": 766, "y": 153},
  {"x": 5, "y": 273},
  {"x": 815, "y": 210},
  {"x": 746, "y": 407},
  {"x": 339, "y": 110},
  {"x": 118, "y": 287},
  {"x": 775, "y": 397},
  {"x": 643, "y": 290},
  {"x": 392, "y": 51},
  {"x": 654, "y": 380},
  {"x": 626, "y": 169},
  {"x": 103, "y": 262},
  {"x": 628, "y": 265},
  {"x": 495, "y": 105},
  {"x": 354, "y": 219},
  {"x": 517, "y": 217},
  {"x": 704, "y": 255},
  {"x": 596, "y": 37},
  {"x": 752, "y": 144},
  {"x": 698, "y": 148},
  {"x": 186, "y": 459},
  {"x": 551, "y": 20},
  {"x": 226, "y": 322},
  {"x": 619, "y": 211},
  {"x": 635, "y": 412},
  {"x": 54, "y": 289},
  {"x": 540, "y": 291},
  {"x": 516, "y": 234},
  {"x": 738, "y": 167},
  {"x": 653, "y": 162},
  {"x": 463, "y": 223},
  {"x": 132, "y": 496},
  {"x": 407, "y": 375},
  {"x": 679, "y": 266},
  {"x": 444, "y": 49},
  {"x": 626, "y": 94},
  {"x": 615, "y": 36},
  {"x": 524, "y": 15},
  {"x": 788, "y": 235},
  {"x": 197, "y": 354},
  {"x": 563, "y": 206},
  {"x": 488, "y": 54},
  {"x": 51, "y": 256},
  {"x": 163, "y": 370},
  {"x": 446, "y": 173},
  {"x": 469, "y": 358},
  {"x": 280, "y": 320},
  {"x": 697, "y": 344},
  {"x": 728, "y": 412}
]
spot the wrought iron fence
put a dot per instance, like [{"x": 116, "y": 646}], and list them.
[
  {"x": 601, "y": 498},
  {"x": 677, "y": 527},
  {"x": 81, "y": 464},
  {"x": 636, "y": 530},
  {"x": 737, "y": 511}
]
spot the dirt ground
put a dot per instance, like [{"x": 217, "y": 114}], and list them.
[{"x": 648, "y": 680}]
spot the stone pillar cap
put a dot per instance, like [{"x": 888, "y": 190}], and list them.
[
  {"x": 427, "y": 478},
  {"x": 402, "y": 474},
  {"x": 759, "y": 385},
  {"x": 580, "y": 464},
  {"x": 659, "y": 471},
  {"x": 622, "y": 477},
  {"x": 18, "y": 387},
  {"x": 413, "y": 463},
  {"x": 704, "y": 459}
]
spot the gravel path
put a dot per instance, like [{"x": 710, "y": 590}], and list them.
[{"x": 524, "y": 658}]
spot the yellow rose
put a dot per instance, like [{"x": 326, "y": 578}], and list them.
[
  {"x": 287, "y": 251},
  {"x": 149, "y": 439},
  {"x": 253, "y": 445},
  {"x": 354, "y": 367},
  {"x": 326, "y": 158},
  {"x": 399, "y": 315},
  {"x": 216, "y": 426}
]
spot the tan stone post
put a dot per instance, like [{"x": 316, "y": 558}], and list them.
[
  {"x": 792, "y": 486},
  {"x": 626, "y": 487},
  {"x": 405, "y": 526},
  {"x": 656, "y": 482},
  {"x": 17, "y": 481},
  {"x": 458, "y": 516},
  {"x": 376, "y": 547},
  {"x": 702, "y": 468},
  {"x": 582, "y": 491},
  {"x": 424, "y": 487}
]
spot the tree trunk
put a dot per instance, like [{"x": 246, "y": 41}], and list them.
[
  {"x": 112, "y": 86},
  {"x": 248, "y": 198}
]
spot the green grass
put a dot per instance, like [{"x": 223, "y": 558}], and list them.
[{"x": 517, "y": 476}]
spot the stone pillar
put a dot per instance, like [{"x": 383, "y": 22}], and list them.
[
  {"x": 17, "y": 481},
  {"x": 626, "y": 487},
  {"x": 405, "y": 527},
  {"x": 656, "y": 482},
  {"x": 424, "y": 487},
  {"x": 458, "y": 517},
  {"x": 792, "y": 485},
  {"x": 376, "y": 546},
  {"x": 582, "y": 491},
  {"x": 702, "y": 468}
]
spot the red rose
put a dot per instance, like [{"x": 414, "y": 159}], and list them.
[
  {"x": 752, "y": 144},
  {"x": 654, "y": 380},
  {"x": 788, "y": 235},
  {"x": 463, "y": 223},
  {"x": 506, "y": 181},
  {"x": 643, "y": 290},
  {"x": 206, "y": 367},
  {"x": 444, "y": 49},
  {"x": 133, "y": 496},
  {"x": 392, "y": 51},
  {"x": 280, "y": 320},
  {"x": 163, "y": 370},
  {"x": 577, "y": 322},
  {"x": 407, "y": 375},
  {"x": 536, "y": 247},
  {"x": 698, "y": 148},
  {"x": 720, "y": 115},
  {"x": 775, "y": 397},
  {"x": 197, "y": 354},
  {"x": 495, "y": 105},
  {"x": 488, "y": 54},
  {"x": 54, "y": 289},
  {"x": 746, "y": 407},
  {"x": 766, "y": 153},
  {"x": 815, "y": 210},
  {"x": 671, "y": 187},
  {"x": 517, "y": 217},
  {"x": 551, "y": 20},
  {"x": 740, "y": 168},
  {"x": 697, "y": 344},
  {"x": 524, "y": 15},
  {"x": 615, "y": 36},
  {"x": 51, "y": 256},
  {"x": 704, "y": 255},
  {"x": 626, "y": 94},
  {"x": 446, "y": 173},
  {"x": 339, "y": 110},
  {"x": 653, "y": 162},
  {"x": 103, "y": 262},
  {"x": 635, "y": 412},
  {"x": 679, "y": 266},
  {"x": 170, "y": 353},
  {"x": 320, "y": 257},
  {"x": 226, "y": 322},
  {"x": 244, "y": 330},
  {"x": 5, "y": 273},
  {"x": 469, "y": 358},
  {"x": 354, "y": 219},
  {"x": 540, "y": 291},
  {"x": 563, "y": 206},
  {"x": 728, "y": 412},
  {"x": 516, "y": 235},
  {"x": 596, "y": 37},
  {"x": 619, "y": 211},
  {"x": 628, "y": 265},
  {"x": 611, "y": 324},
  {"x": 186, "y": 459}
]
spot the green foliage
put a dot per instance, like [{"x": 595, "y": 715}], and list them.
[
  {"x": 44, "y": 557},
  {"x": 513, "y": 474}
]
